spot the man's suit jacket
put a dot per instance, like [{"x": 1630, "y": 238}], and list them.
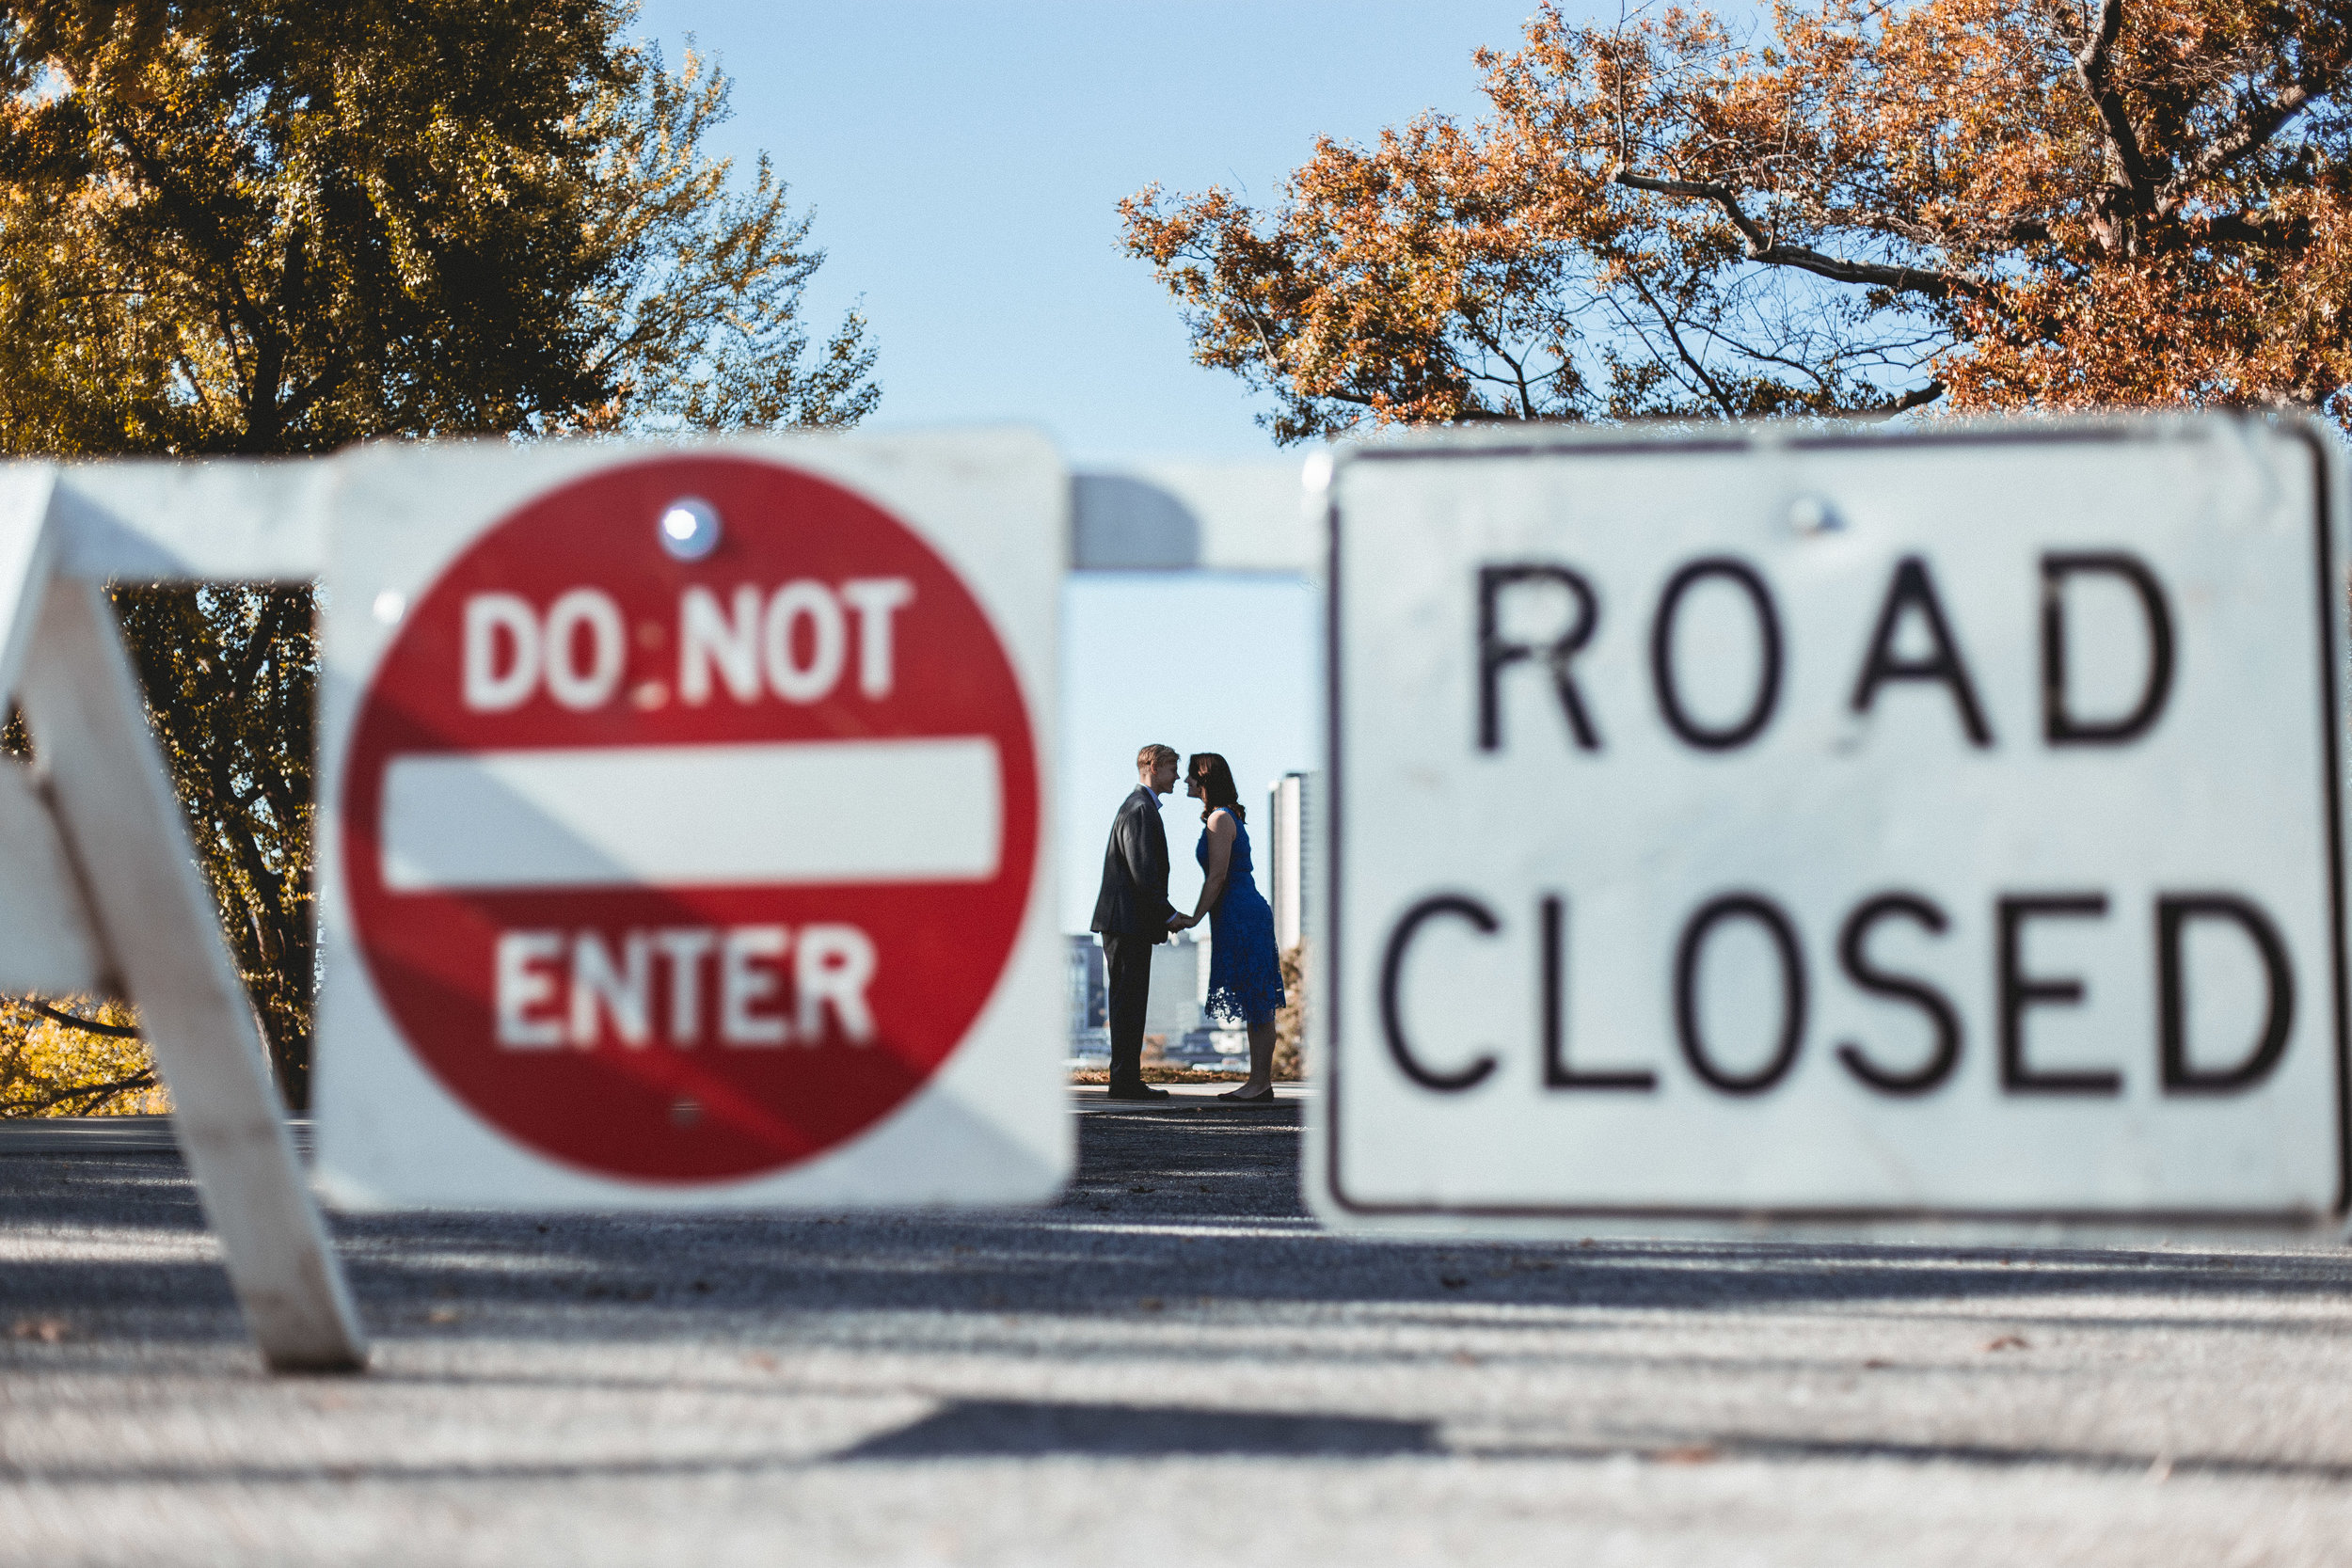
[{"x": 1134, "y": 900}]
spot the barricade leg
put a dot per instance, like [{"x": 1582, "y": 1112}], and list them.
[{"x": 156, "y": 922}]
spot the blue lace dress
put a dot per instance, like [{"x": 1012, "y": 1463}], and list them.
[{"x": 1244, "y": 971}]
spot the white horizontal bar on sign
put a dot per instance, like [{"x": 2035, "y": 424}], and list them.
[
  {"x": 265, "y": 519},
  {"x": 1199, "y": 517},
  {"x": 223, "y": 519},
  {"x": 794, "y": 812}
]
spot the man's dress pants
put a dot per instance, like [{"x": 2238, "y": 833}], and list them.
[{"x": 1127, "y": 967}]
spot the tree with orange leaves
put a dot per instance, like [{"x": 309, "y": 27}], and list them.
[{"x": 1987, "y": 203}]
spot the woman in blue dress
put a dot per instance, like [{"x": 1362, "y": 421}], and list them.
[{"x": 1245, "y": 970}]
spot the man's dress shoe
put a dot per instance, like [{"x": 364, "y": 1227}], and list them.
[{"x": 1136, "y": 1091}]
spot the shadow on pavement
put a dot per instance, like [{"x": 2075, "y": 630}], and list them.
[
  {"x": 974, "y": 1429},
  {"x": 1174, "y": 1212}
]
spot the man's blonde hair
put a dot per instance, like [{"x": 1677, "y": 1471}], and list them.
[{"x": 1151, "y": 756}]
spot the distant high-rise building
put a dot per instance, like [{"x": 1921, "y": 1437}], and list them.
[
  {"x": 1293, "y": 806},
  {"x": 1179, "y": 984},
  {"x": 1173, "y": 1010},
  {"x": 1090, "y": 989}
]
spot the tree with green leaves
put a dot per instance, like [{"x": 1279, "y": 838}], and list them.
[{"x": 280, "y": 227}]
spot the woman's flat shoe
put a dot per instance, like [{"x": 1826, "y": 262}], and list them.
[{"x": 1240, "y": 1099}]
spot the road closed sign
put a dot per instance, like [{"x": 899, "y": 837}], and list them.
[
  {"x": 683, "y": 833},
  {"x": 1833, "y": 826}
]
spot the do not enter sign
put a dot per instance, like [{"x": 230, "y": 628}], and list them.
[{"x": 688, "y": 827}]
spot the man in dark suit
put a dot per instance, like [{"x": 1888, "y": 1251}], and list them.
[{"x": 1134, "y": 914}]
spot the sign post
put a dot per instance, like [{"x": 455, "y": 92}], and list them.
[
  {"x": 685, "y": 834},
  {"x": 1838, "y": 827}
]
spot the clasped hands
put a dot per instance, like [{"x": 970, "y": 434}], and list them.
[{"x": 1183, "y": 921}]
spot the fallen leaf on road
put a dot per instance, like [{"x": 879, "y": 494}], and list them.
[
  {"x": 47, "y": 1330},
  {"x": 2008, "y": 1341},
  {"x": 1689, "y": 1453}
]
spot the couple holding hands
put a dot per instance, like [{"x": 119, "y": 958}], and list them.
[{"x": 1133, "y": 915}]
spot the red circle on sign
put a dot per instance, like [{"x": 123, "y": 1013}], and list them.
[{"x": 620, "y": 908}]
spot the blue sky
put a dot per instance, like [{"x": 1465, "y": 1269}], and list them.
[{"x": 965, "y": 164}]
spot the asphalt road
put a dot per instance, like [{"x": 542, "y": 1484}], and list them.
[{"x": 1173, "y": 1366}]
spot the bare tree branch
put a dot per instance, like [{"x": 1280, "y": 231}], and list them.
[
  {"x": 2257, "y": 126},
  {"x": 1714, "y": 388},
  {"x": 91, "y": 1094},
  {"x": 2090, "y": 70},
  {"x": 88, "y": 1026},
  {"x": 1918, "y": 397},
  {"x": 2258, "y": 229},
  {"x": 1762, "y": 248}
]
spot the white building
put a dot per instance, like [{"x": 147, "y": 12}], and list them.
[
  {"x": 1179, "y": 986},
  {"x": 1293, "y": 806}
]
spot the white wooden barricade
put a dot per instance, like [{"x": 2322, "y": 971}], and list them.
[
  {"x": 98, "y": 890},
  {"x": 98, "y": 886}
]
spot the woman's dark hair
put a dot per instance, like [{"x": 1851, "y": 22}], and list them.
[{"x": 1216, "y": 785}]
